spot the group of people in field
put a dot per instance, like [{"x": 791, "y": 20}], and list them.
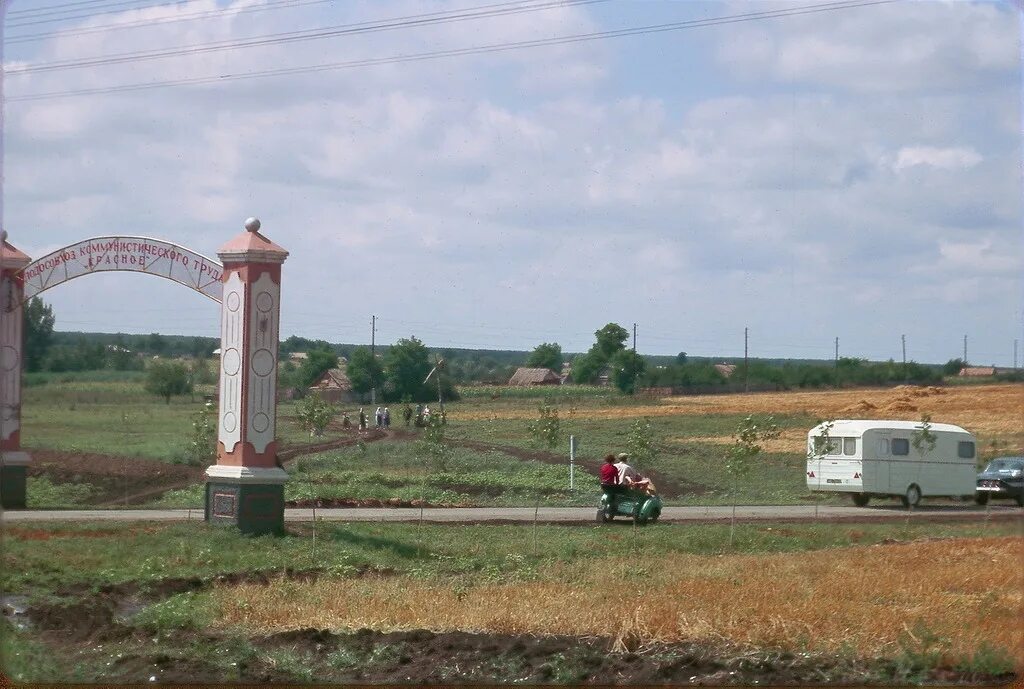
[{"x": 382, "y": 417}]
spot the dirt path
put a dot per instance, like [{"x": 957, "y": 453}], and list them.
[{"x": 136, "y": 480}]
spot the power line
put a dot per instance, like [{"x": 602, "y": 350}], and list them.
[
  {"x": 458, "y": 52},
  {"x": 54, "y": 17},
  {"x": 63, "y": 7},
  {"x": 501, "y": 9}
]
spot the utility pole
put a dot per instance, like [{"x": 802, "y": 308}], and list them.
[
  {"x": 373, "y": 355},
  {"x": 906, "y": 376},
  {"x": 1015, "y": 355},
  {"x": 837, "y": 352},
  {"x": 746, "y": 361},
  {"x": 965, "y": 350},
  {"x": 632, "y": 365}
]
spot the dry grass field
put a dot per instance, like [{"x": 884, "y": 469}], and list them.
[
  {"x": 992, "y": 412},
  {"x": 949, "y": 596}
]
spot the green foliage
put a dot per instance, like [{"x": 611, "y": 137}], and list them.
[
  {"x": 202, "y": 443},
  {"x": 746, "y": 444},
  {"x": 314, "y": 414},
  {"x": 953, "y": 367},
  {"x": 155, "y": 344},
  {"x": 39, "y": 322},
  {"x": 681, "y": 358},
  {"x": 316, "y": 363},
  {"x": 610, "y": 339},
  {"x": 546, "y": 431},
  {"x": 364, "y": 370},
  {"x": 923, "y": 439},
  {"x": 168, "y": 378},
  {"x": 627, "y": 368},
  {"x": 41, "y": 492},
  {"x": 406, "y": 367},
  {"x": 821, "y": 442},
  {"x": 640, "y": 443},
  {"x": 187, "y": 610},
  {"x": 546, "y": 355},
  {"x": 433, "y": 446},
  {"x": 586, "y": 368}
]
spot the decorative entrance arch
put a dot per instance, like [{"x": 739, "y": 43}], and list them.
[{"x": 246, "y": 485}]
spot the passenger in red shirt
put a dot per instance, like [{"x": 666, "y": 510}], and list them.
[{"x": 609, "y": 473}]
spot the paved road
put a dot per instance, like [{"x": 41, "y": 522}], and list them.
[{"x": 547, "y": 514}]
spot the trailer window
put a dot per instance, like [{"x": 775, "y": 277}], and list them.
[
  {"x": 849, "y": 446},
  {"x": 900, "y": 446},
  {"x": 965, "y": 449},
  {"x": 835, "y": 446}
]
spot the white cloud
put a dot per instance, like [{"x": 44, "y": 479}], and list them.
[
  {"x": 896, "y": 48},
  {"x": 956, "y": 158},
  {"x": 438, "y": 193}
]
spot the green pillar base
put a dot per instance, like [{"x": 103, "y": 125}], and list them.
[
  {"x": 250, "y": 499},
  {"x": 13, "y": 472}
]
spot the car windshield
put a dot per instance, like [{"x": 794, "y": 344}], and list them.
[{"x": 1006, "y": 464}]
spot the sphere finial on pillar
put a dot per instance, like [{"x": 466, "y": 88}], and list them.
[{"x": 252, "y": 224}]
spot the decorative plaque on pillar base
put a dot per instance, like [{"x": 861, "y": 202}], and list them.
[
  {"x": 250, "y": 498},
  {"x": 13, "y": 470}
]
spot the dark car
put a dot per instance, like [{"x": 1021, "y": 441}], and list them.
[{"x": 1002, "y": 478}]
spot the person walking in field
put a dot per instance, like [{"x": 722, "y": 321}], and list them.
[
  {"x": 407, "y": 413},
  {"x": 387, "y": 418},
  {"x": 362, "y": 419},
  {"x": 379, "y": 417}
]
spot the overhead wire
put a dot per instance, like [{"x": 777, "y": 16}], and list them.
[
  {"x": 498, "y": 10},
  {"x": 159, "y": 21},
  {"x": 110, "y": 8},
  {"x": 457, "y": 52}
]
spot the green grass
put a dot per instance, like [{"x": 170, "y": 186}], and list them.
[
  {"x": 41, "y": 493},
  {"x": 94, "y": 554},
  {"x": 35, "y": 378}
]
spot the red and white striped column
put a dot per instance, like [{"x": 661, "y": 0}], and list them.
[
  {"x": 246, "y": 485},
  {"x": 13, "y": 460}
]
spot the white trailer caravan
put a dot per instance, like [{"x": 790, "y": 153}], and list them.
[{"x": 877, "y": 458}]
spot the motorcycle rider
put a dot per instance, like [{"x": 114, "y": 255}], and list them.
[{"x": 610, "y": 479}]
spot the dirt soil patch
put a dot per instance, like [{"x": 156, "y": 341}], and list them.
[
  {"x": 136, "y": 480},
  {"x": 120, "y": 480}
]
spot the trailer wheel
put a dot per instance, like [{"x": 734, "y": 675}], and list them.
[
  {"x": 981, "y": 498},
  {"x": 912, "y": 497},
  {"x": 861, "y": 499}
]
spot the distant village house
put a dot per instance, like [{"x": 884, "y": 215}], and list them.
[
  {"x": 534, "y": 376},
  {"x": 334, "y": 387}
]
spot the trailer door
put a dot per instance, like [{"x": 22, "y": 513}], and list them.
[{"x": 883, "y": 463}]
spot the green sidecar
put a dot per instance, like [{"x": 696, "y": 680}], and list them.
[{"x": 636, "y": 504}]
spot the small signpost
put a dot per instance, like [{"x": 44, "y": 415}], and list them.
[{"x": 572, "y": 460}]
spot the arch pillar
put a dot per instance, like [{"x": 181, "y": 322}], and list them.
[
  {"x": 245, "y": 488},
  {"x": 13, "y": 460}
]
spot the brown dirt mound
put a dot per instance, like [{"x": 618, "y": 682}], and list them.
[
  {"x": 900, "y": 404},
  {"x": 861, "y": 407}
]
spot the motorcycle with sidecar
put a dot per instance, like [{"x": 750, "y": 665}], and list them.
[{"x": 618, "y": 501}]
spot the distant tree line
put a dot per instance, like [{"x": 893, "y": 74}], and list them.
[{"x": 847, "y": 372}]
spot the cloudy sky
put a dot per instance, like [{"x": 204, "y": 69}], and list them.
[{"x": 852, "y": 172}]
